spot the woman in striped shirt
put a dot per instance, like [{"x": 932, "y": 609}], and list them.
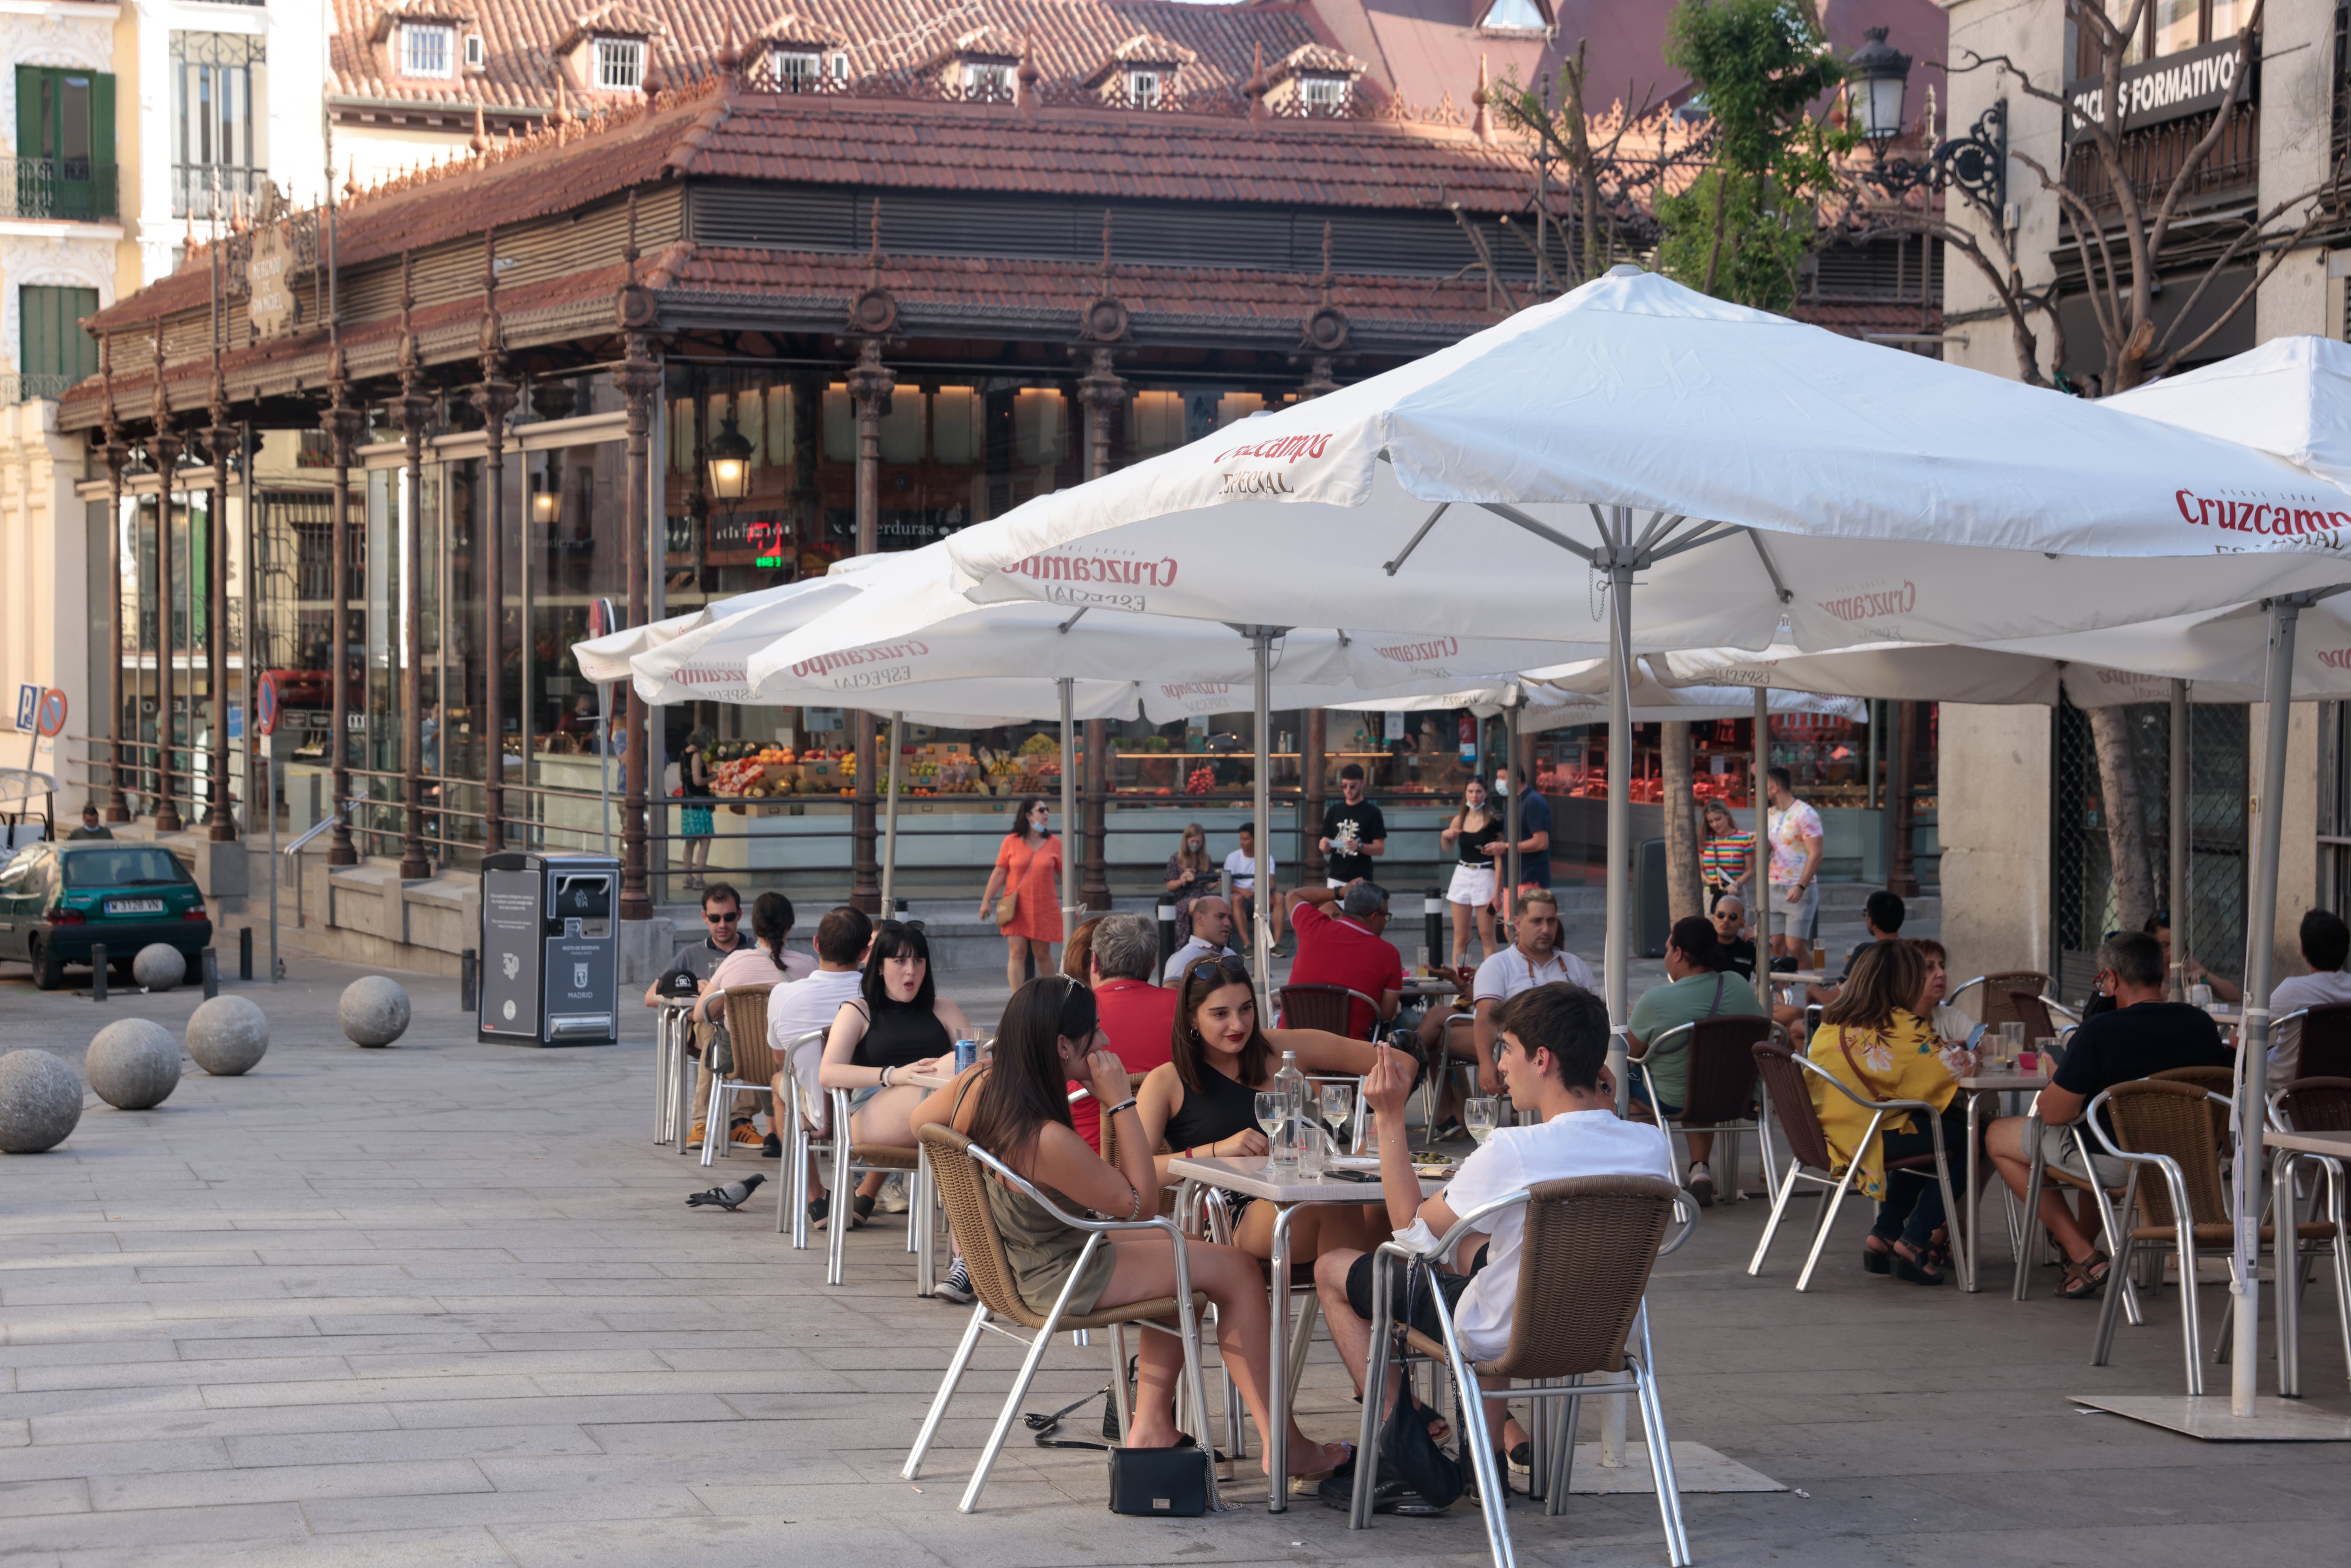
[{"x": 1728, "y": 857}]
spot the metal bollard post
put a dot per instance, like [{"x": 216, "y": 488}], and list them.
[
  {"x": 208, "y": 964},
  {"x": 1432, "y": 909},
  {"x": 98, "y": 971},
  {"x": 469, "y": 972},
  {"x": 1167, "y": 943},
  {"x": 245, "y": 952}
]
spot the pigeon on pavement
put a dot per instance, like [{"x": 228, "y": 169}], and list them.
[{"x": 729, "y": 1197}]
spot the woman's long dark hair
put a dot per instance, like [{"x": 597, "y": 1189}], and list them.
[
  {"x": 892, "y": 937},
  {"x": 1190, "y": 1051},
  {"x": 771, "y": 924},
  {"x": 1026, "y": 1085},
  {"x": 1020, "y": 829},
  {"x": 1888, "y": 977}
]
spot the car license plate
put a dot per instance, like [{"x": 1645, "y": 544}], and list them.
[{"x": 134, "y": 906}]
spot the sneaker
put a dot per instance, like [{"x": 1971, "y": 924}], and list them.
[
  {"x": 893, "y": 1198},
  {"x": 1702, "y": 1184},
  {"x": 695, "y": 1140},
  {"x": 956, "y": 1286},
  {"x": 744, "y": 1133}
]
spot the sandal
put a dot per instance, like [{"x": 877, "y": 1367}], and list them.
[
  {"x": 2083, "y": 1277},
  {"x": 1917, "y": 1269},
  {"x": 1878, "y": 1259}
]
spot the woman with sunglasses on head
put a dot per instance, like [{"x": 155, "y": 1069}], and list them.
[
  {"x": 1204, "y": 1102},
  {"x": 898, "y": 1025},
  {"x": 1016, "y": 1107}
]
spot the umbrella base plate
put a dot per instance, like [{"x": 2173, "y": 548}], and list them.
[{"x": 2273, "y": 1420}]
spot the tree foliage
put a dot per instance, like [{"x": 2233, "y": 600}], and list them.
[{"x": 1741, "y": 230}]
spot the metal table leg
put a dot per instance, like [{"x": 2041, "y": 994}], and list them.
[
  {"x": 1968, "y": 1272},
  {"x": 1277, "y": 1396},
  {"x": 923, "y": 1219},
  {"x": 682, "y": 1086}
]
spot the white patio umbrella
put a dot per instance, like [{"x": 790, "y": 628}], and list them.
[
  {"x": 1747, "y": 466},
  {"x": 1181, "y": 666}
]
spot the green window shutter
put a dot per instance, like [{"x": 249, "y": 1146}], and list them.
[
  {"x": 55, "y": 344},
  {"x": 101, "y": 124},
  {"x": 31, "y": 136}
]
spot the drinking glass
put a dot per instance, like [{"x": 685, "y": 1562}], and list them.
[
  {"x": 2012, "y": 1043},
  {"x": 1479, "y": 1114},
  {"x": 1273, "y": 1121},
  {"x": 2200, "y": 996},
  {"x": 1312, "y": 1145}
]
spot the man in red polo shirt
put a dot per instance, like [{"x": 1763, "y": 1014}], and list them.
[
  {"x": 1346, "y": 948},
  {"x": 1139, "y": 1017}
]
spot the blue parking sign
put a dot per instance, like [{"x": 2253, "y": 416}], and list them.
[{"x": 28, "y": 706}]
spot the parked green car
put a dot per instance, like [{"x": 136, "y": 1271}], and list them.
[{"x": 58, "y": 901}]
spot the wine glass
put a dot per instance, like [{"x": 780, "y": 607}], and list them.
[
  {"x": 1478, "y": 1113},
  {"x": 1337, "y": 1108},
  {"x": 1272, "y": 1116}
]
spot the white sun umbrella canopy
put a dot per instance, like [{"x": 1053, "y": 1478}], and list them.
[{"x": 606, "y": 658}]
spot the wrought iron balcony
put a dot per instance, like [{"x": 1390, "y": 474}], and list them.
[
  {"x": 210, "y": 190},
  {"x": 27, "y": 387},
  {"x": 73, "y": 189}
]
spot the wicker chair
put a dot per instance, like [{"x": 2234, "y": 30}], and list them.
[
  {"x": 1785, "y": 1076},
  {"x": 2315, "y": 1104},
  {"x": 961, "y": 1167},
  {"x": 2032, "y": 1011},
  {"x": 2163, "y": 1130},
  {"x": 1720, "y": 1095},
  {"x": 747, "y": 1065},
  {"x": 1997, "y": 1007},
  {"x": 1330, "y": 1008},
  {"x": 1583, "y": 1265},
  {"x": 2324, "y": 1041}
]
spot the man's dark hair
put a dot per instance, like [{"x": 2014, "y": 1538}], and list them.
[
  {"x": 2135, "y": 959},
  {"x": 842, "y": 934},
  {"x": 1885, "y": 911},
  {"x": 1249, "y": 828},
  {"x": 718, "y": 891},
  {"x": 2325, "y": 940},
  {"x": 2159, "y": 921},
  {"x": 1782, "y": 777},
  {"x": 1352, "y": 771},
  {"x": 1694, "y": 936},
  {"x": 1565, "y": 1019}
]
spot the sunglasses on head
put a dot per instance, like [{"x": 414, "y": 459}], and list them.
[{"x": 1202, "y": 968}]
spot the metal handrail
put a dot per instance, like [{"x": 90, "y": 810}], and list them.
[{"x": 320, "y": 826}]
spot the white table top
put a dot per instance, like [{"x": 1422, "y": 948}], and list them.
[
  {"x": 1800, "y": 977},
  {"x": 1253, "y": 1176},
  {"x": 2336, "y": 1143},
  {"x": 2004, "y": 1081}
]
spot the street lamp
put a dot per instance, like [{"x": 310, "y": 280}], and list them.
[
  {"x": 545, "y": 503},
  {"x": 1882, "y": 77},
  {"x": 730, "y": 463}
]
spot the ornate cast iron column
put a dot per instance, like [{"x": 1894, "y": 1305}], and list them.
[
  {"x": 221, "y": 439},
  {"x": 1102, "y": 395},
  {"x": 870, "y": 386},
  {"x": 164, "y": 449},
  {"x": 345, "y": 425},
  {"x": 415, "y": 414},
  {"x": 496, "y": 396},
  {"x": 115, "y": 455},
  {"x": 639, "y": 381}
]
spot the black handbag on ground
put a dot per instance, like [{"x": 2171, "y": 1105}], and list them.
[{"x": 1164, "y": 1483}]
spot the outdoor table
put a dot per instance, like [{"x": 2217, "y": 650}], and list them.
[
  {"x": 1978, "y": 1084},
  {"x": 2284, "y": 1147},
  {"x": 1288, "y": 1192}
]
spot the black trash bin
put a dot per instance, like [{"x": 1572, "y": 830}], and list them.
[{"x": 551, "y": 950}]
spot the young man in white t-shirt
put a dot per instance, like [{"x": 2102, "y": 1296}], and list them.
[
  {"x": 795, "y": 1009},
  {"x": 1241, "y": 867},
  {"x": 2326, "y": 943},
  {"x": 1555, "y": 1063}
]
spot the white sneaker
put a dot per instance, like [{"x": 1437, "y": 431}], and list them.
[
  {"x": 893, "y": 1198},
  {"x": 1701, "y": 1184}
]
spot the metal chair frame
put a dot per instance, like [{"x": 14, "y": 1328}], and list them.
[
  {"x": 1187, "y": 1331},
  {"x": 672, "y": 1081},
  {"x": 1995, "y": 1003},
  {"x": 1558, "y": 1442},
  {"x": 1840, "y": 1184},
  {"x": 718, "y": 1134},
  {"x": 1729, "y": 1131},
  {"x": 2022, "y": 1226}
]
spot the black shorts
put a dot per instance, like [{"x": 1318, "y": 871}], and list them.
[{"x": 1423, "y": 1315}]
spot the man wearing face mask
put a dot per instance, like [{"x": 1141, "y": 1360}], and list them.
[{"x": 1534, "y": 831}]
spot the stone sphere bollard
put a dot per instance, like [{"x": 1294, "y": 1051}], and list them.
[
  {"x": 228, "y": 1035},
  {"x": 40, "y": 1101},
  {"x": 373, "y": 1011},
  {"x": 159, "y": 966},
  {"x": 133, "y": 1064}
]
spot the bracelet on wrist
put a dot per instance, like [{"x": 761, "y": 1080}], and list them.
[{"x": 1125, "y": 1104}]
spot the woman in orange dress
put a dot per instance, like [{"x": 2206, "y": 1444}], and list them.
[{"x": 1028, "y": 866}]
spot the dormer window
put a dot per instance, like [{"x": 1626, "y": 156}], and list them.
[
  {"x": 477, "y": 57},
  {"x": 987, "y": 79},
  {"x": 798, "y": 71},
  {"x": 619, "y": 64},
  {"x": 1323, "y": 95},
  {"x": 428, "y": 49},
  {"x": 1515, "y": 17},
  {"x": 1314, "y": 81},
  {"x": 1142, "y": 88}
]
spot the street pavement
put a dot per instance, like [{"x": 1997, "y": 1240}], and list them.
[{"x": 445, "y": 1303}]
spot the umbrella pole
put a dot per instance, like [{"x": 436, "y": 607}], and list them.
[
  {"x": 1260, "y": 940},
  {"x": 1617, "y": 962},
  {"x": 2176, "y": 983},
  {"x": 2252, "y": 1054},
  {"x": 890, "y": 822},
  {"x": 1510, "y": 805},
  {"x": 1758, "y": 875},
  {"x": 1069, "y": 822}
]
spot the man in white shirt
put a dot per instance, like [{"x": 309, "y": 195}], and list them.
[
  {"x": 801, "y": 1006},
  {"x": 2326, "y": 943},
  {"x": 1555, "y": 1063},
  {"x": 1533, "y": 958},
  {"x": 1212, "y": 937},
  {"x": 1240, "y": 867}
]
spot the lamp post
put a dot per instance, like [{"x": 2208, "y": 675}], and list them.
[
  {"x": 1976, "y": 165},
  {"x": 1881, "y": 80},
  {"x": 730, "y": 463}
]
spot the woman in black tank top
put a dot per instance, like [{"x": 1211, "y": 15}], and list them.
[
  {"x": 1204, "y": 1102},
  {"x": 898, "y": 1024}
]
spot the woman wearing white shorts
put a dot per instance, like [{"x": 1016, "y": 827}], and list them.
[{"x": 1474, "y": 835}]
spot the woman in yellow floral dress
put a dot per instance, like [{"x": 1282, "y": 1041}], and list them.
[{"x": 1875, "y": 1042}]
